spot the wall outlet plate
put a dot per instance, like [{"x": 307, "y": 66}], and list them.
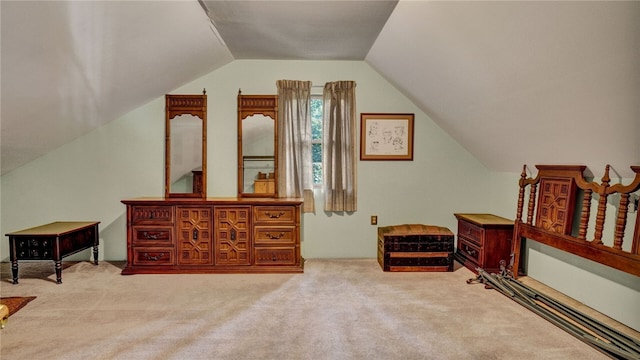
[{"x": 374, "y": 219}]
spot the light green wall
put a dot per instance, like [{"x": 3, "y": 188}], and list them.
[
  {"x": 87, "y": 178},
  {"x": 426, "y": 190}
]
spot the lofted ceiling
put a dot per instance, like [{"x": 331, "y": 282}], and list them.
[{"x": 512, "y": 82}]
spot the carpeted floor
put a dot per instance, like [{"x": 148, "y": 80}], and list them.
[{"x": 337, "y": 309}]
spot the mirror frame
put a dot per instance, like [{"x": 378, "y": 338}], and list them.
[
  {"x": 249, "y": 105},
  {"x": 176, "y": 105}
]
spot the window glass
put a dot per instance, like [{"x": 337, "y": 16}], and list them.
[{"x": 316, "y": 138}]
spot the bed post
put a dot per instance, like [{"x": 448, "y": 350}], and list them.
[{"x": 516, "y": 242}]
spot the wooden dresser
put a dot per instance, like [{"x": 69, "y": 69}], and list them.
[
  {"x": 216, "y": 235},
  {"x": 483, "y": 240}
]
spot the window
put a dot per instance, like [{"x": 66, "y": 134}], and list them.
[{"x": 316, "y": 138}]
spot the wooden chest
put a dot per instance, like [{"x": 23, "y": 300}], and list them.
[{"x": 415, "y": 247}]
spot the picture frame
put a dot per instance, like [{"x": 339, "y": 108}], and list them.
[{"x": 386, "y": 136}]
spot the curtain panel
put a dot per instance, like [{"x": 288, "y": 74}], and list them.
[
  {"x": 295, "y": 174},
  {"x": 339, "y": 146}
]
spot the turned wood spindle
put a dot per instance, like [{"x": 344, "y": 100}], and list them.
[
  {"x": 602, "y": 206},
  {"x": 586, "y": 212},
  {"x": 523, "y": 176},
  {"x": 621, "y": 222}
]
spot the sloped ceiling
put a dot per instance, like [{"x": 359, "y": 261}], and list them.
[
  {"x": 68, "y": 67},
  {"x": 538, "y": 82},
  {"x": 513, "y": 82}
]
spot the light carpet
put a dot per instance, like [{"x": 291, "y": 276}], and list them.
[{"x": 337, "y": 309}]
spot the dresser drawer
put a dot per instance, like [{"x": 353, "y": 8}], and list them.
[
  {"x": 152, "y": 235},
  {"x": 151, "y": 214},
  {"x": 275, "y": 255},
  {"x": 153, "y": 256},
  {"x": 471, "y": 232},
  {"x": 265, "y": 235},
  {"x": 274, "y": 214},
  {"x": 470, "y": 251}
]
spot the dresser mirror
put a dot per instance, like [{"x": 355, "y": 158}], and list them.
[
  {"x": 257, "y": 155},
  {"x": 186, "y": 146}
]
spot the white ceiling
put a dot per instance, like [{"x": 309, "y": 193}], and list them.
[{"x": 511, "y": 81}]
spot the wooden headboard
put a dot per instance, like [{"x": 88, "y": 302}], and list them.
[{"x": 560, "y": 198}]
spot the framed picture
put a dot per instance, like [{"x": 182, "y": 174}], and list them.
[{"x": 386, "y": 136}]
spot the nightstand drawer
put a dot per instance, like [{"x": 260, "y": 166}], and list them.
[
  {"x": 471, "y": 232},
  {"x": 470, "y": 251}
]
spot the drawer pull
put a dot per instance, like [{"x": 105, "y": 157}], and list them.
[
  {"x": 274, "y": 216},
  {"x": 233, "y": 234},
  {"x": 146, "y": 235},
  {"x": 195, "y": 234},
  {"x": 274, "y": 237},
  {"x": 274, "y": 257},
  {"x": 153, "y": 258},
  {"x": 470, "y": 251}
]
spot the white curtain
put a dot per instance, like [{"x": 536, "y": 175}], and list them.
[
  {"x": 295, "y": 174},
  {"x": 339, "y": 146}
]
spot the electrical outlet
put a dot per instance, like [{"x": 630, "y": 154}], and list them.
[{"x": 374, "y": 220}]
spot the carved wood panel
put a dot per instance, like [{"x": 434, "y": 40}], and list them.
[
  {"x": 556, "y": 205},
  {"x": 194, "y": 236},
  {"x": 233, "y": 235}
]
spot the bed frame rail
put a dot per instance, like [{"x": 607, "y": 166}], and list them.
[{"x": 559, "y": 192}]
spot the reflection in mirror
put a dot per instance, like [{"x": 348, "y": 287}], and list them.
[
  {"x": 185, "y": 153},
  {"x": 258, "y": 154},
  {"x": 185, "y": 161},
  {"x": 257, "y": 151}
]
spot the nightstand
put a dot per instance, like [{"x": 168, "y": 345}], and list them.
[{"x": 483, "y": 240}]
